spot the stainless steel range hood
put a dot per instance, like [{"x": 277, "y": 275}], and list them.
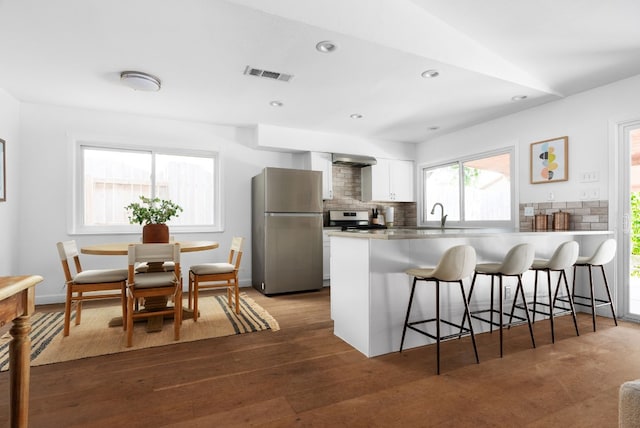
[{"x": 353, "y": 160}]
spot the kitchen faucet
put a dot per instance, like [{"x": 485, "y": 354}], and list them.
[{"x": 443, "y": 216}]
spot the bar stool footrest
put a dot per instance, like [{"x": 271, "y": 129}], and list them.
[
  {"x": 600, "y": 302},
  {"x": 494, "y": 323},
  {"x": 563, "y": 311},
  {"x": 463, "y": 330}
]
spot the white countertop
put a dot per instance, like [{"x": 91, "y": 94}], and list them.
[{"x": 428, "y": 233}]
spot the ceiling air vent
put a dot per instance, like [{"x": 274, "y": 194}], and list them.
[{"x": 250, "y": 71}]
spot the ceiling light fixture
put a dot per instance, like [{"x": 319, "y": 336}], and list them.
[
  {"x": 518, "y": 97},
  {"x": 356, "y": 116},
  {"x": 140, "y": 81},
  {"x": 429, "y": 74},
  {"x": 276, "y": 103},
  {"x": 326, "y": 47}
]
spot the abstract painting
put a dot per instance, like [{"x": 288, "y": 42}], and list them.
[{"x": 549, "y": 160}]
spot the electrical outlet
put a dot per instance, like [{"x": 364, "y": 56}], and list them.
[
  {"x": 507, "y": 293},
  {"x": 528, "y": 211}
]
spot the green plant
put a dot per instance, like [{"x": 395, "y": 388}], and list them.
[
  {"x": 635, "y": 232},
  {"x": 152, "y": 211}
]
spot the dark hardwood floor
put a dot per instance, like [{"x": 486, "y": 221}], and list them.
[{"x": 303, "y": 375}]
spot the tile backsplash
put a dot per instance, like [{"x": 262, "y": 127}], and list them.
[
  {"x": 347, "y": 194},
  {"x": 583, "y": 215}
]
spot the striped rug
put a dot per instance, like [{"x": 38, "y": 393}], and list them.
[
  {"x": 44, "y": 327},
  {"x": 94, "y": 336}
]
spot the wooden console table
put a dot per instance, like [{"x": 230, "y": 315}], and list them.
[{"x": 17, "y": 303}]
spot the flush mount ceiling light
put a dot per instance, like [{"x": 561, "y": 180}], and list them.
[
  {"x": 140, "y": 81},
  {"x": 276, "y": 104},
  {"x": 429, "y": 74},
  {"x": 326, "y": 47},
  {"x": 356, "y": 116},
  {"x": 518, "y": 97}
]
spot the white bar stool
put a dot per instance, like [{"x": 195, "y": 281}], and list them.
[
  {"x": 563, "y": 258},
  {"x": 517, "y": 261},
  {"x": 605, "y": 252},
  {"x": 457, "y": 263}
]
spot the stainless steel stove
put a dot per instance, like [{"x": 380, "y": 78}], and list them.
[{"x": 352, "y": 220}]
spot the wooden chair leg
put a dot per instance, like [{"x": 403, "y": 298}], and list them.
[
  {"x": 79, "y": 308},
  {"x": 123, "y": 302},
  {"x": 196, "y": 288},
  {"x": 67, "y": 311},
  {"x": 129, "y": 321},
  {"x": 177, "y": 314},
  {"x": 237, "y": 289},
  {"x": 190, "y": 296}
]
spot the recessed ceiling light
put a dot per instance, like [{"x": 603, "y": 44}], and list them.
[
  {"x": 433, "y": 128},
  {"x": 356, "y": 116},
  {"x": 518, "y": 97},
  {"x": 276, "y": 104},
  {"x": 140, "y": 81},
  {"x": 428, "y": 74},
  {"x": 326, "y": 47}
]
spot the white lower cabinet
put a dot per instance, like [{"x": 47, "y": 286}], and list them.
[{"x": 326, "y": 256}]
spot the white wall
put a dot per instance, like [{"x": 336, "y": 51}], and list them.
[
  {"x": 9, "y": 132},
  {"x": 281, "y": 138},
  {"x": 47, "y": 134},
  {"x": 586, "y": 118}
]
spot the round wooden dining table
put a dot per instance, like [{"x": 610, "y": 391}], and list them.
[{"x": 122, "y": 249}]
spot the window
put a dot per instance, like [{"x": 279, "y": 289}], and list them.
[
  {"x": 110, "y": 178},
  {"x": 473, "y": 191}
]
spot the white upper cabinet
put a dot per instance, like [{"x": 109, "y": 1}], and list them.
[
  {"x": 388, "y": 180},
  {"x": 323, "y": 162}
]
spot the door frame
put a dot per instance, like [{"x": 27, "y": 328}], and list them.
[{"x": 620, "y": 210}]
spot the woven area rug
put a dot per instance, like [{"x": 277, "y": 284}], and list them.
[{"x": 94, "y": 337}]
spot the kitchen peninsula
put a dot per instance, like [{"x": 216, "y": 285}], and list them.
[{"x": 370, "y": 290}]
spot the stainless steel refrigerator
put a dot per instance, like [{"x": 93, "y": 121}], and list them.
[{"x": 286, "y": 230}]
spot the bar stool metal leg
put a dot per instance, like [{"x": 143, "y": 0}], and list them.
[
  {"x": 604, "y": 254},
  {"x": 457, "y": 263},
  {"x": 406, "y": 319},
  {"x": 517, "y": 261},
  {"x": 594, "y": 302},
  {"x": 466, "y": 311}
]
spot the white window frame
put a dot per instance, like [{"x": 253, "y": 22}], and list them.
[
  {"x": 76, "y": 224},
  {"x": 462, "y": 223}
]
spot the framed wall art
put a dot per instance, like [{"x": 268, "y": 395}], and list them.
[
  {"x": 550, "y": 160},
  {"x": 3, "y": 172}
]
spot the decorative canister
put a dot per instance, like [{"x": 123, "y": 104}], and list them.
[
  {"x": 560, "y": 221},
  {"x": 540, "y": 222}
]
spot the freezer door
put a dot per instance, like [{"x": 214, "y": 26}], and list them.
[
  {"x": 292, "y": 190},
  {"x": 293, "y": 253}
]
